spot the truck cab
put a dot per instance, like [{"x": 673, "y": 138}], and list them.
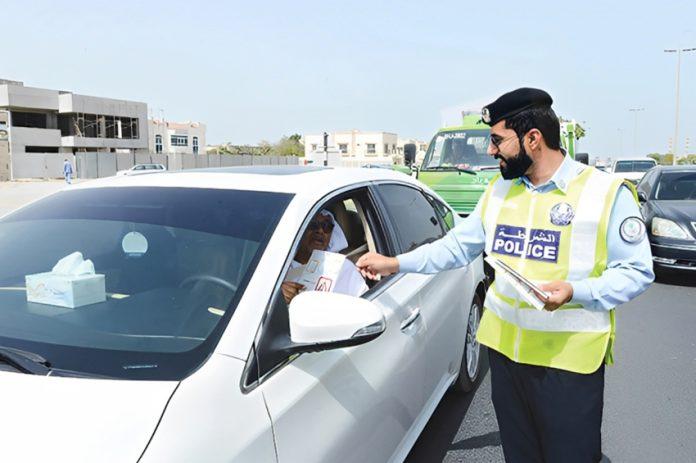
[{"x": 457, "y": 165}]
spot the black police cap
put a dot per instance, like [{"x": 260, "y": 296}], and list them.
[{"x": 514, "y": 102}]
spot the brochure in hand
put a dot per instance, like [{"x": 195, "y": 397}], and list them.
[{"x": 529, "y": 291}]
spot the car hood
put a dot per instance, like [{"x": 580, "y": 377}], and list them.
[{"x": 75, "y": 419}]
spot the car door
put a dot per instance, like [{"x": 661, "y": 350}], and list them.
[
  {"x": 353, "y": 404},
  {"x": 443, "y": 299}
]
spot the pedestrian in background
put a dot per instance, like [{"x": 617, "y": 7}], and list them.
[
  {"x": 577, "y": 232},
  {"x": 67, "y": 171}
]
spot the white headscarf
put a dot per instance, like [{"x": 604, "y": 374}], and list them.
[{"x": 338, "y": 241}]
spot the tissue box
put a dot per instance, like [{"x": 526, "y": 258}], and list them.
[{"x": 65, "y": 290}]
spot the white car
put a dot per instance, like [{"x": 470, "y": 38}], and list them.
[
  {"x": 632, "y": 169},
  {"x": 142, "y": 169},
  {"x": 194, "y": 354}
]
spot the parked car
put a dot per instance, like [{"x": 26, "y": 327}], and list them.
[
  {"x": 142, "y": 169},
  {"x": 193, "y": 353},
  {"x": 668, "y": 204},
  {"x": 632, "y": 169}
]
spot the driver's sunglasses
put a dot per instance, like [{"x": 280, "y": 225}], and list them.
[
  {"x": 327, "y": 227},
  {"x": 497, "y": 140}
]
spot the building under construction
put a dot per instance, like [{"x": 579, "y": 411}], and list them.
[{"x": 39, "y": 121}]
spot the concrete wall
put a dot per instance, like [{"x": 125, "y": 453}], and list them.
[
  {"x": 28, "y": 97},
  {"x": 37, "y": 165},
  {"x": 25, "y": 136},
  {"x": 4, "y": 146},
  {"x": 91, "y": 165}
]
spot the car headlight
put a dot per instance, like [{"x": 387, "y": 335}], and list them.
[{"x": 667, "y": 229}]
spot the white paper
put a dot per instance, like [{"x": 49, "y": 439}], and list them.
[{"x": 329, "y": 271}]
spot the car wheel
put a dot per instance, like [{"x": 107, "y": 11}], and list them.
[{"x": 471, "y": 358}]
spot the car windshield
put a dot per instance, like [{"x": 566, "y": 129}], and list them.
[
  {"x": 676, "y": 186},
  {"x": 465, "y": 149},
  {"x": 633, "y": 166},
  {"x": 173, "y": 264}
]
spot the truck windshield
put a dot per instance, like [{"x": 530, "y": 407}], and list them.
[
  {"x": 168, "y": 267},
  {"x": 462, "y": 148}
]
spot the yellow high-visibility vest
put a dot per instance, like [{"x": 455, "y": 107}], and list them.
[{"x": 545, "y": 237}]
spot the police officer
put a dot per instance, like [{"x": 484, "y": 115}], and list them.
[{"x": 578, "y": 233}]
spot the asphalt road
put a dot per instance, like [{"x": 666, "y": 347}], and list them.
[{"x": 649, "y": 399}]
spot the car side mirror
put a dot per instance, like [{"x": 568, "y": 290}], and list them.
[
  {"x": 642, "y": 197},
  {"x": 322, "y": 321}
]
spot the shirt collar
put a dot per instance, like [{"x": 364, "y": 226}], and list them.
[{"x": 560, "y": 179}]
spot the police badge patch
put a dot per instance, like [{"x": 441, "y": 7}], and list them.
[
  {"x": 562, "y": 214},
  {"x": 632, "y": 230}
]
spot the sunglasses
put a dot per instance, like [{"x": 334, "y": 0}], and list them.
[
  {"x": 327, "y": 227},
  {"x": 497, "y": 140}
]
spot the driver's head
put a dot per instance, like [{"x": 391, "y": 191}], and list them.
[
  {"x": 522, "y": 124},
  {"x": 318, "y": 233}
]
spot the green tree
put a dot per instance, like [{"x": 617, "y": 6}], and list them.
[{"x": 289, "y": 146}]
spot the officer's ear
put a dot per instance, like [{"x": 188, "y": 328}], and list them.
[{"x": 534, "y": 138}]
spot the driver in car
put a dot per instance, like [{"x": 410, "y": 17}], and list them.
[{"x": 324, "y": 234}]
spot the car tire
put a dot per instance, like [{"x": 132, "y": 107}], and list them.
[{"x": 471, "y": 358}]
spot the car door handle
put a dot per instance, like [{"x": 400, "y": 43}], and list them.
[{"x": 411, "y": 319}]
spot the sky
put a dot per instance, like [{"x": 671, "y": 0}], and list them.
[{"x": 256, "y": 71}]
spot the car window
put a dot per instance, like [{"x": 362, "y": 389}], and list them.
[
  {"x": 444, "y": 213},
  {"x": 413, "y": 218},
  {"x": 676, "y": 186},
  {"x": 647, "y": 183},
  {"x": 168, "y": 266},
  {"x": 352, "y": 214}
]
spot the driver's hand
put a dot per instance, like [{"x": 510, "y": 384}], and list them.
[{"x": 290, "y": 290}]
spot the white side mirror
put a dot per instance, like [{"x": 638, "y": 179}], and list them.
[{"x": 334, "y": 320}]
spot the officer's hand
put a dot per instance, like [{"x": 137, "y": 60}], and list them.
[
  {"x": 373, "y": 265},
  {"x": 560, "y": 292},
  {"x": 290, "y": 290}
]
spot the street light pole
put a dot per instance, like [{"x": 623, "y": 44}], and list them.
[
  {"x": 675, "y": 143},
  {"x": 635, "y": 112}
]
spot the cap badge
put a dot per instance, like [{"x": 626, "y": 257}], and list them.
[
  {"x": 486, "y": 115},
  {"x": 562, "y": 214}
]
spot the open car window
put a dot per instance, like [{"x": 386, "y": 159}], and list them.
[{"x": 355, "y": 214}]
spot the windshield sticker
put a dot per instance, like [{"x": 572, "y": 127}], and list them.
[
  {"x": 134, "y": 244},
  {"x": 511, "y": 241}
]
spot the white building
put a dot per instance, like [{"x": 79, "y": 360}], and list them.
[
  {"x": 176, "y": 137},
  {"x": 357, "y": 146},
  {"x": 54, "y": 121}
]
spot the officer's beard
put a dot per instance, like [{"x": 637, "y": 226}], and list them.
[{"x": 516, "y": 166}]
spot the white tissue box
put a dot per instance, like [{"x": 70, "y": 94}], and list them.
[{"x": 65, "y": 290}]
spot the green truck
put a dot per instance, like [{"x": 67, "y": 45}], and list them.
[{"x": 458, "y": 167}]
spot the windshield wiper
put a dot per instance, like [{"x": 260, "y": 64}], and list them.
[
  {"x": 452, "y": 168},
  {"x": 26, "y": 362}
]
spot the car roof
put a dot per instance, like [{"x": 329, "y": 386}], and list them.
[
  {"x": 313, "y": 181},
  {"x": 635, "y": 159},
  {"x": 678, "y": 168}
]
